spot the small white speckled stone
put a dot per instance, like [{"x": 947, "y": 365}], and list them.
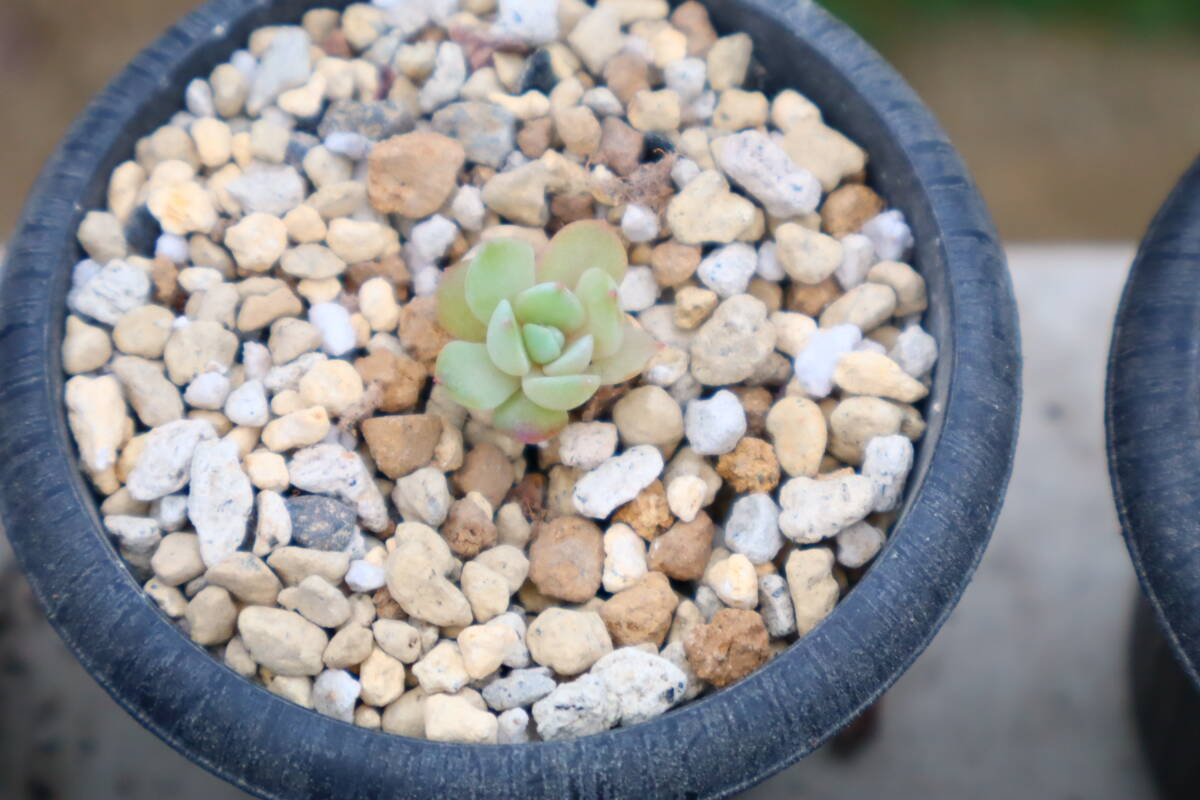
[
  {"x": 752, "y": 528},
  {"x": 638, "y": 290},
  {"x": 728, "y": 271},
  {"x": 858, "y": 544},
  {"x": 887, "y": 461},
  {"x": 714, "y": 426},
  {"x": 890, "y": 235},
  {"x": 624, "y": 558},
  {"x": 639, "y": 224},
  {"x": 817, "y": 509},
  {"x": 815, "y": 364},
  {"x": 617, "y": 481},
  {"x": 334, "y": 694}
]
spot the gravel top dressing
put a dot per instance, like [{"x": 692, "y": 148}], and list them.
[{"x": 500, "y": 373}]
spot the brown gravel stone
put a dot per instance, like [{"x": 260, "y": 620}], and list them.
[
  {"x": 847, "y": 208},
  {"x": 648, "y": 513},
  {"x": 468, "y": 530},
  {"x": 485, "y": 470},
  {"x": 566, "y": 209},
  {"x": 756, "y": 402},
  {"x": 419, "y": 332},
  {"x": 535, "y": 137},
  {"x": 729, "y": 648},
  {"x": 626, "y": 74},
  {"x": 692, "y": 18},
  {"x": 603, "y": 401},
  {"x": 751, "y": 467},
  {"x": 566, "y": 559},
  {"x": 530, "y": 495},
  {"x": 683, "y": 551},
  {"x": 641, "y": 613},
  {"x": 620, "y": 146},
  {"x": 413, "y": 174},
  {"x": 812, "y": 300},
  {"x": 401, "y": 444},
  {"x": 390, "y": 268},
  {"x": 386, "y": 606},
  {"x": 400, "y": 379},
  {"x": 165, "y": 276},
  {"x": 673, "y": 262}
]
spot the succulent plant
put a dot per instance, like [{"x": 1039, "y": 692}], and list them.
[{"x": 535, "y": 339}]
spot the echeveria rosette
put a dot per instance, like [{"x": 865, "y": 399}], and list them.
[{"x": 537, "y": 339}]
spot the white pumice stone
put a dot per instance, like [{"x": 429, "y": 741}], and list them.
[
  {"x": 814, "y": 365},
  {"x": 715, "y": 426},
  {"x": 752, "y": 528},
  {"x": 887, "y": 460},
  {"x": 890, "y": 235}
]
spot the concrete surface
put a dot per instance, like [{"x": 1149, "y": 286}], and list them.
[{"x": 1023, "y": 694}]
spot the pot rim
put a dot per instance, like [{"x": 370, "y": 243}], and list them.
[
  {"x": 1152, "y": 417},
  {"x": 713, "y": 747}
]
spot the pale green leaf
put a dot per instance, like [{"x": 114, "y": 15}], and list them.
[
  {"x": 526, "y": 421},
  {"x": 575, "y": 359},
  {"x": 605, "y": 321},
  {"x": 560, "y": 393},
  {"x": 504, "y": 343},
  {"x": 502, "y": 268},
  {"x": 453, "y": 313},
  {"x": 581, "y": 246},
  {"x": 543, "y": 342},
  {"x": 471, "y": 378},
  {"x": 637, "y": 348},
  {"x": 550, "y": 304}
]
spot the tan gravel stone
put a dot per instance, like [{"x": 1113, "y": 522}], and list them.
[
  {"x": 648, "y": 513},
  {"x": 86, "y": 347},
  {"x": 568, "y": 642},
  {"x": 798, "y": 431},
  {"x": 683, "y": 551},
  {"x": 382, "y": 678},
  {"x": 210, "y": 616},
  {"x": 856, "y": 421},
  {"x": 641, "y": 613},
  {"x": 257, "y": 241},
  {"x": 906, "y": 282},
  {"x": 751, "y": 468},
  {"x": 403, "y": 443},
  {"x": 566, "y": 559},
  {"x": 282, "y": 641},
  {"x": 812, "y": 585},
  {"x": 468, "y": 528},
  {"x": 413, "y": 174},
  {"x": 399, "y": 378},
  {"x": 142, "y": 332},
  {"x": 729, "y": 648},
  {"x": 875, "y": 374},
  {"x": 485, "y": 470},
  {"x": 297, "y": 429},
  {"x": 246, "y": 577},
  {"x": 674, "y": 262},
  {"x": 848, "y": 207}
]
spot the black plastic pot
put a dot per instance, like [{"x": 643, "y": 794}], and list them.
[
  {"x": 711, "y": 748},
  {"x": 1153, "y": 420}
]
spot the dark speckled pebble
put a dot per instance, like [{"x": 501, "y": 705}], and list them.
[
  {"x": 376, "y": 121},
  {"x": 538, "y": 74},
  {"x": 656, "y": 147},
  {"x": 321, "y": 523}
]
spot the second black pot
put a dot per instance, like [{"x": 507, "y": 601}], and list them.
[{"x": 1153, "y": 423}]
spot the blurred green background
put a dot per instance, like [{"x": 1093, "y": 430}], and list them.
[
  {"x": 1148, "y": 16},
  {"x": 1075, "y": 116}
]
